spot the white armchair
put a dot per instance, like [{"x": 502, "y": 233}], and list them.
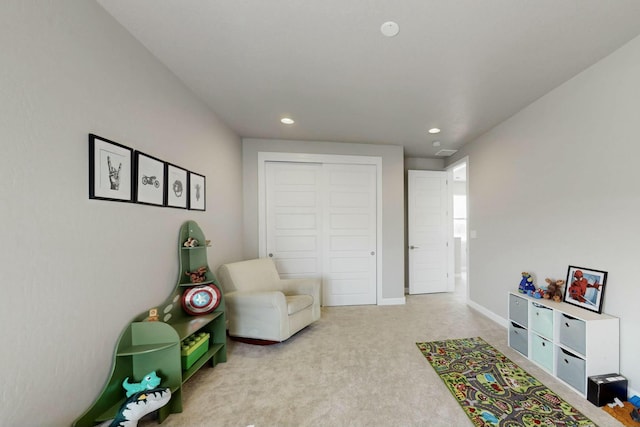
[{"x": 262, "y": 306}]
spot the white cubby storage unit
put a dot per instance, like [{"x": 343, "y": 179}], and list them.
[{"x": 569, "y": 342}]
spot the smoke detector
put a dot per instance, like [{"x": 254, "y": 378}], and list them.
[
  {"x": 390, "y": 29},
  {"x": 446, "y": 152}
]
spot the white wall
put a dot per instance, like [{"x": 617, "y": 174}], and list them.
[
  {"x": 392, "y": 195},
  {"x": 422, "y": 163},
  {"x": 557, "y": 185},
  {"x": 75, "y": 271}
]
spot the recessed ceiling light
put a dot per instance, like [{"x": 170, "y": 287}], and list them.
[
  {"x": 390, "y": 29},
  {"x": 434, "y": 130},
  {"x": 287, "y": 121}
]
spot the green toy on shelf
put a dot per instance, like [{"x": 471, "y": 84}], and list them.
[{"x": 150, "y": 381}]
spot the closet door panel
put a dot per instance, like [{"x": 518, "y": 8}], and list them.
[{"x": 293, "y": 218}]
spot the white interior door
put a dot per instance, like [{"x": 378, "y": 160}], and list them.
[
  {"x": 293, "y": 218},
  {"x": 321, "y": 220},
  {"x": 350, "y": 235},
  {"x": 429, "y": 240}
]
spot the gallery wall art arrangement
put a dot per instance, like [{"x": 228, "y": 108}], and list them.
[{"x": 119, "y": 173}]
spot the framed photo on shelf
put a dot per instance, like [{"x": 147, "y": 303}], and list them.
[
  {"x": 110, "y": 170},
  {"x": 177, "y": 188},
  {"x": 197, "y": 193},
  {"x": 150, "y": 180},
  {"x": 585, "y": 288}
]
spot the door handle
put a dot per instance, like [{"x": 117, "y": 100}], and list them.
[
  {"x": 414, "y": 247},
  {"x": 270, "y": 255}
]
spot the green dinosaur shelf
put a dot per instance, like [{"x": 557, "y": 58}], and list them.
[{"x": 153, "y": 344}]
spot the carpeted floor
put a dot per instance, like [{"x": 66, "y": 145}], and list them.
[{"x": 357, "y": 366}]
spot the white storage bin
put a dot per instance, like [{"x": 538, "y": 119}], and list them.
[
  {"x": 542, "y": 352},
  {"x": 542, "y": 320}
]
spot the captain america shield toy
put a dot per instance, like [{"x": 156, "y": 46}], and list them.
[{"x": 201, "y": 300}]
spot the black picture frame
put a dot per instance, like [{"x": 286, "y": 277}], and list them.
[
  {"x": 110, "y": 170},
  {"x": 177, "y": 187},
  {"x": 197, "y": 192},
  {"x": 150, "y": 180},
  {"x": 585, "y": 288}
]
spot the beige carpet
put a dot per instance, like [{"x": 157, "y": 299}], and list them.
[{"x": 357, "y": 366}]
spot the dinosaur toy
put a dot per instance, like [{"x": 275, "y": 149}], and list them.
[
  {"x": 150, "y": 381},
  {"x": 139, "y": 405}
]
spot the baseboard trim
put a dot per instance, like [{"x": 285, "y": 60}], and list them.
[
  {"x": 392, "y": 301},
  {"x": 490, "y": 314}
]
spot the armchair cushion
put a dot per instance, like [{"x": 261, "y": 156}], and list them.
[{"x": 262, "y": 306}]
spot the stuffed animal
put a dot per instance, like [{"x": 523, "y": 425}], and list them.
[
  {"x": 554, "y": 289},
  {"x": 197, "y": 276},
  {"x": 526, "y": 284},
  {"x": 138, "y": 405}
]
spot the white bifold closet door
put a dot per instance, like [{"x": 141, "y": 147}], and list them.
[{"x": 321, "y": 221}]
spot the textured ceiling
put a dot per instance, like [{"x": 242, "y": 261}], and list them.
[{"x": 460, "y": 65}]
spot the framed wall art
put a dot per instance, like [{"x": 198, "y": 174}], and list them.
[
  {"x": 150, "y": 180},
  {"x": 197, "y": 193},
  {"x": 110, "y": 170},
  {"x": 177, "y": 188},
  {"x": 585, "y": 288}
]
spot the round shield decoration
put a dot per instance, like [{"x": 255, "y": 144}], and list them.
[{"x": 200, "y": 299}]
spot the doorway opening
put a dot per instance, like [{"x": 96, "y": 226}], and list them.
[{"x": 458, "y": 173}]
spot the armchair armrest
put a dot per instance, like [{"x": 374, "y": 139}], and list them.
[
  {"x": 261, "y": 315},
  {"x": 305, "y": 286}
]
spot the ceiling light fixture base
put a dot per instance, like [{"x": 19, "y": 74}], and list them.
[{"x": 390, "y": 29}]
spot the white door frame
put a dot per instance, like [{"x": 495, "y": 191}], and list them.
[
  {"x": 269, "y": 156},
  {"x": 449, "y": 170}
]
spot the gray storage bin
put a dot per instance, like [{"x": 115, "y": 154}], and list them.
[
  {"x": 571, "y": 369},
  {"x": 518, "y": 310},
  {"x": 573, "y": 333},
  {"x": 518, "y": 338}
]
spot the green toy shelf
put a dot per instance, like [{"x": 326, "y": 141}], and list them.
[{"x": 151, "y": 342}]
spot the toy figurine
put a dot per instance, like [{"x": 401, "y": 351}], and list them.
[
  {"x": 191, "y": 243},
  {"x": 526, "y": 284},
  {"x": 151, "y": 380},
  {"x": 197, "y": 276},
  {"x": 538, "y": 293}
]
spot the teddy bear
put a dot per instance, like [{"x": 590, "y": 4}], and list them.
[
  {"x": 554, "y": 289},
  {"x": 197, "y": 276}
]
